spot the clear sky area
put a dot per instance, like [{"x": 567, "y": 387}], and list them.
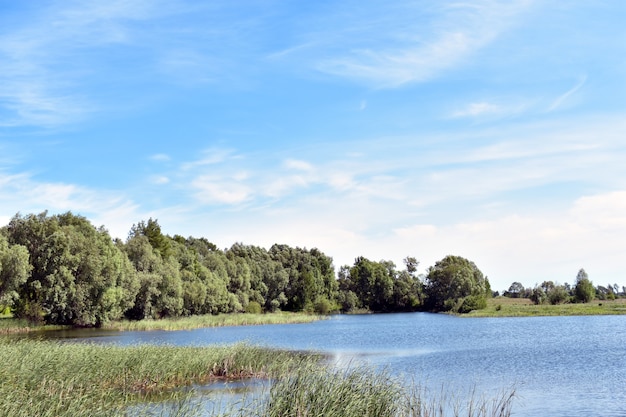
[{"x": 492, "y": 130}]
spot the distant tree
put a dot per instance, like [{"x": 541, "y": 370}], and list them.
[
  {"x": 538, "y": 296},
  {"x": 558, "y": 295},
  {"x": 515, "y": 290},
  {"x": 584, "y": 291},
  {"x": 547, "y": 286},
  {"x": 450, "y": 281},
  {"x": 610, "y": 292}
]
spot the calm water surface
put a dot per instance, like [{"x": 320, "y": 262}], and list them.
[{"x": 560, "y": 366}]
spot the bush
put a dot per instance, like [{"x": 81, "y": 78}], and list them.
[
  {"x": 558, "y": 295},
  {"x": 323, "y": 306},
  {"x": 254, "y": 308},
  {"x": 473, "y": 302}
]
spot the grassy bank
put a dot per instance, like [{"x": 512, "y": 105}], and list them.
[
  {"x": 523, "y": 307},
  {"x": 9, "y": 325},
  {"x": 61, "y": 379},
  {"x": 196, "y": 322}
]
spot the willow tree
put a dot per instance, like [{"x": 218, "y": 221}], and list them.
[
  {"x": 78, "y": 275},
  {"x": 455, "y": 284},
  {"x": 14, "y": 270}
]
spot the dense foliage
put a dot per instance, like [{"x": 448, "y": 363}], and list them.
[
  {"x": 456, "y": 284},
  {"x": 60, "y": 269}
]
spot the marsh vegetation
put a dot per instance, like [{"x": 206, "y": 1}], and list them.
[{"x": 61, "y": 379}]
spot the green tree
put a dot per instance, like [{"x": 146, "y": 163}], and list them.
[
  {"x": 407, "y": 288},
  {"x": 152, "y": 230},
  {"x": 160, "y": 286},
  {"x": 515, "y": 290},
  {"x": 14, "y": 271},
  {"x": 558, "y": 295},
  {"x": 310, "y": 274},
  {"x": 450, "y": 281},
  {"x": 584, "y": 290},
  {"x": 538, "y": 296},
  {"x": 78, "y": 277}
]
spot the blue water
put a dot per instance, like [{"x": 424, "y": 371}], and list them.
[{"x": 559, "y": 366}]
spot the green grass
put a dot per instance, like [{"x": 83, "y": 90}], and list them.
[
  {"x": 523, "y": 307},
  {"x": 10, "y": 325},
  {"x": 195, "y": 322},
  {"x": 62, "y": 379}
]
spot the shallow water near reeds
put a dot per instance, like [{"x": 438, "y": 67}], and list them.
[{"x": 559, "y": 366}]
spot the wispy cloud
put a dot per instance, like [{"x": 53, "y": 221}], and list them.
[
  {"x": 563, "y": 98},
  {"x": 160, "y": 157},
  {"x": 462, "y": 29},
  {"x": 478, "y": 109},
  {"x": 219, "y": 190},
  {"x": 210, "y": 156},
  {"x": 46, "y": 62}
]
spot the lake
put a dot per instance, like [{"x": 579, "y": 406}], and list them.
[{"x": 559, "y": 366}]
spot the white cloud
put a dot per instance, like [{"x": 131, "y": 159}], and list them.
[
  {"x": 590, "y": 233},
  {"x": 160, "y": 157},
  {"x": 298, "y": 165},
  {"x": 21, "y": 193},
  {"x": 216, "y": 190},
  {"x": 605, "y": 212},
  {"x": 478, "y": 109},
  {"x": 160, "y": 179}
]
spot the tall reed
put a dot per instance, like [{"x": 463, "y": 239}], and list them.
[
  {"x": 220, "y": 320},
  {"x": 62, "y": 379},
  {"x": 362, "y": 392}
]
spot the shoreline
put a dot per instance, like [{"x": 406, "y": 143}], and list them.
[
  {"x": 523, "y": 307},
  {"x": 10, "y": 326}
]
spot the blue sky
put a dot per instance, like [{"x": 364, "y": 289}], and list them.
[{"x": 493, "y": 130}]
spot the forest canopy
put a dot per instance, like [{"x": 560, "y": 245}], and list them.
[{"x": 60, "y": 269}]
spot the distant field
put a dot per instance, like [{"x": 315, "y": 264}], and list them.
[{"x": 523, "y": 307}]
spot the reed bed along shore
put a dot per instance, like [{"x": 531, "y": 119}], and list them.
[
  {"x": 41, "y": 378},
  {"x": 220, "y": 320},
  {"x": 312, "y": 391},
  {"x": 523, "y": 307},
  {"x": 9, "y": 325},
  {"x": 53, "y": 379}
]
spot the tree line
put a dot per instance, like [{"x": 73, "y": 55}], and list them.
[
  {"x": 60, "y": 269},
  {"x": 583, "y": 291}
]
